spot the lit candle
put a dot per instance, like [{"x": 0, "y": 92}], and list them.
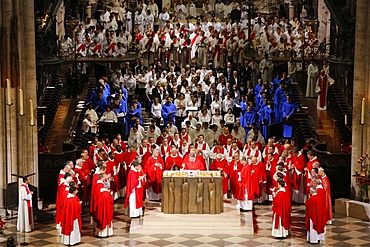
[
  {"x": 9, "y": 100},
  {"x": 363, "y": 111},
  {"x": 43, "y": 119},
  {"x": 32, "y": 121},
  {"x": 345, "y": 119},
  {"x": 21, "y": 110}
]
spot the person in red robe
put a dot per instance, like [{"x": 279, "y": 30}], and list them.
[
  {"x": 220, "y": 164},
  {"x": 111, "y": 168},
  {"x": 297, "y": 169},
  {"x": 315, "y": 217},
  {"x": 252, "y": 179},
  {"x": 235, "y": 168},
  {"x": 281, "y": 211},
  {"x": 62, "y": 193},
  {"x": 71, "y": 223},
  {"x": 120, "y": 158},
  {"x": 193, "y": 162},
  {"x": 322, "y": 85},
  {"x": 326, "y": 184},
  {"x": 224, "y": 136},
  {"x": 154, "y": 169},
  {"x": 174, "y": 160},
  {"x": 97, "y": 184},
  {"x": 104, "y": 212},
  {"x": 269, "y": 171},
  {"x": 82, "y": 174},
  {"x": 313, "y": 162},
  {"x": 134, "y": 196}
]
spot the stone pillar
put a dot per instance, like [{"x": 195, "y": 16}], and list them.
[
  {"x": 291, "y": 10},
  {"x": 18, "y": 140},
  {"x": 360, "y": 133}
]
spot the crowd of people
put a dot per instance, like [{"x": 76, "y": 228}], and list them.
[{"x": 210, "y": 109}]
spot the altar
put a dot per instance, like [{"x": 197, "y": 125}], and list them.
[{"x": 192, "y": 192}]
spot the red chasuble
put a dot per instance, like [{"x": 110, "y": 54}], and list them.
[
  {"x": 62, "y": 195},
  {"x": 154, "y": 173},
  {"x": 222, "y": 164},
  {"x": 104, "y": 209},
  {"x": 119, "y": 158},
  {"x": 173, "y": 161},
  {"x": 223, "y": 138},
  {"x": 72, "y": 211},
  {"x": 299, "y": 162},
  {"x": 309, "y": 166},
  {"x": 315, "y": 212},
  {"x": 281, "y": 208},
  {"x": 132, "y": 184},
  {"x": 234, "y": 169},
  {"x": 326, "y": 185},
  {"x": 251, "y": 180}
]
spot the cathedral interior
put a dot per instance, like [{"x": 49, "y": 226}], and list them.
[{"x": 40, "y": 127}]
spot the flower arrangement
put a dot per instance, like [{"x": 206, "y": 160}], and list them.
[
  {"x": 364, "y": 169},
  {"x": 363, "y": 185},
  {"x": 2, "y": 227}
]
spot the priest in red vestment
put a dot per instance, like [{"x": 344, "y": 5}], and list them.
[
  {"x": 281, "y": 211},
  {"x": 71, "y": 223},
  {"x": 62, "y": 193},
  {"x": 120, "y": 158},
  {"x": 193, "y": 162},
  {"x": 313, "y": 162},
  {"x": 326, "y": 185},
  {"x": 134, "y": 187},
  {"x": 154, "y": 169},
  {"x": 104, "y": 212},
  {"x": 235, "y": 168},
  {"x": 297, "y": 168},
  {"x": 315, "y": 217},
  {"x": 97, "y": 184},
  {"x": 322, "y": 86},
  {"x": 224, "y": 136},
  {"x": 220, "y": 164},
  {"x": 174, "y": 160},
  {"x": 252, "y": 179}
]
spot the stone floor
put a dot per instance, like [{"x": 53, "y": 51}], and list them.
[{"x": 345, "y": 231}]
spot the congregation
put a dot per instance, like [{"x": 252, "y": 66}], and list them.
[{"x": 211, "y": 108}]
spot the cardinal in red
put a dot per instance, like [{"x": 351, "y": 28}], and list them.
[
  {"x": 193, "y": 162},
  {"x": 281, "y": 211},
  {"x": 62, "y": 193},
  {"x": 134, "y": 190},
  {"x": 104, "y": 211},
  {"x": 174, "y": 160},
  {"x": 224, "y": 136},
  {"x": 154, "y": 169},
  {"x": 220, "y": 164},
  {"x": 235, "y": 168},
  {"x": 315, "y": 217},
  {"x": 326, "y": 185},
  {"x": 313, "y": 162},
  {"x": 96, "y": 185},
  {"x": 71, "y": 221},
  {"x": 119, "y": 157},
  {"x": 253, "y": 180}
]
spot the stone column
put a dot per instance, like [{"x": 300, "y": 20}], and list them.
[
  {"x": 18, "y": 140},
  {"x": 360, "y": 133},
  {"x": 291, "y": 10}
]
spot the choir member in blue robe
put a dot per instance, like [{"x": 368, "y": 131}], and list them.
[
  {"x": 100, "y": 104},
  {"x": 168, "y": 111},
  {"x": 249, "y": 119},
  {"x": 289, "y": 107},
  {"x": 278, "y": 101},
  {"x": 138, "y": 107},
  {"x": 131, "y": 117},
  {"x": 267, "y": 115},
  {"x": 243, "y": 109},
  {"x": 276, "y": 83},
  {"x": 258, "y": 88}
]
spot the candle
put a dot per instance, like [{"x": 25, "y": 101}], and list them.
[
  {"x": 21, "y": 110},
  {"x": 43, "y": 119},
  {"x": 363, "y": 111},
  {"x": 9, "y": 100},
  {"x": 32, "y": 121},
  {"x": 345, "y": 119}
]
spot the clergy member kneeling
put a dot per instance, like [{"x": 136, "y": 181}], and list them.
[
  {"x": 71, "y": 221},
  {"x": 25, "y": 212},
  {"x": 315, "y": 217},
  {"x": 281, "y": 211},
  {"x": 134, "y": 190}
]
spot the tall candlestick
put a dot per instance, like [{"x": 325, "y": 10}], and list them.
[
  {"x": 43, "y": 119},
  {"x": 9, "y": 100},
  {"x": 21, "y": 102},
  {"x": 345, "y": 119},
  {"x": 363, "y": 111},
  {"x": 32, "y": 120}
]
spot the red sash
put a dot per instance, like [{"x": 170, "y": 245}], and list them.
[
  {"x": 204, "y": 145},
  {"x": 28, "y": 204},
  {"x": 97, "y": 48},
  {"x": 141, "y": 149},
  {"x": 194, "y": 39},
  {"x": 110, "y": 47},
  {"x": 149, "y": 43},
  {"x": 81, "y": 47},
  {"x": 231, "y": 153}
]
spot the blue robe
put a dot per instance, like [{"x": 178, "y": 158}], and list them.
[
  {"x": 166, "y": 110},
  {"x": 278, "y": 103},
  {"x": 139, "y": 109},
  {"x": 249, "y": 118},
  {"x": 100, "y": 105},
  {"x": 257, "y": 89},
  {"x": 243, "y": 110},
  {"x": 275, "y": 84},
  {"x": 267, "y": 115},
  {"x": 288, "y": 109},
  {"x": 129, "y": 122}
]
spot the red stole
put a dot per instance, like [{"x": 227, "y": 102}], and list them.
[
  {"x": 165, "y": 150},
  {"x": 28, "y": 204},
  {"x": 142, "y": 151},
  {"x": 204, "y": 146},
  {"x": 232, "y": 152},
  {"x": 110, "y": 48},
  {"x": 97, "y": 48},
  {"x": 81, "y": 47}
]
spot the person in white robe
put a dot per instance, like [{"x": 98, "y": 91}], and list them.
[
  {"x": 25, "y": 211},
  {"x": 312, "y": 76}
]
